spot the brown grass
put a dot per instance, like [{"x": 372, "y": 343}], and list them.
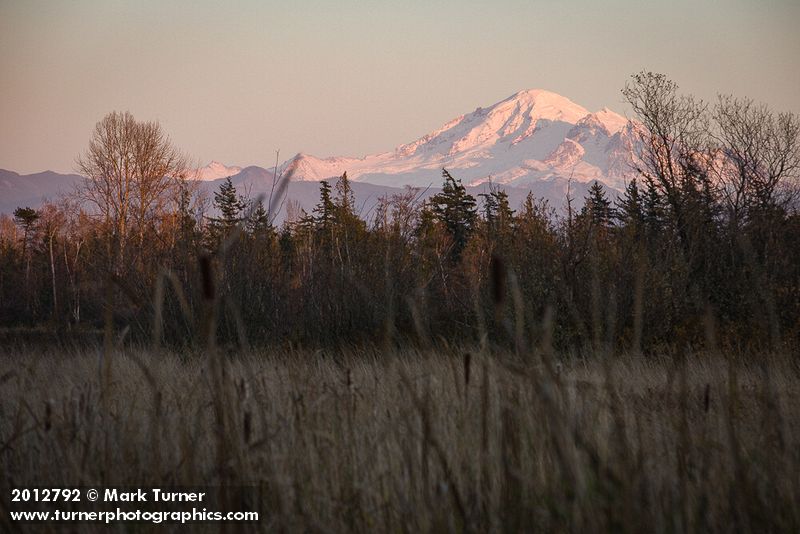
[{"x": 372, "y": 441}]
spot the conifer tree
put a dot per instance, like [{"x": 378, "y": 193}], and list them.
[
  {"x": 456, "y": 209},
  {"x": 535, "y": 217},
  {"x": 504, "y": 215},
  {"x": 426, "y": 223},
  {"x": 348, "y": 225},
  {"x": 230, "y": 205},
  {"x": 259, "y": 224},
  {"x": 629, "y": 210},
  {"x": 653, "y": 207},
  {"x": 325, "y": 211},
  {"x": 345, "y": 208},
  {"x": 528, "y": 206},
  {"x": 598, "y": 206},
  {"x": 26, "y": 218},
  {"x": 345, "y": 198},
  {"x": 499, "y": 217}
]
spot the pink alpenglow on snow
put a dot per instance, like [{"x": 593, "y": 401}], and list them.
[
  {"x": 533, "y": 135},
  {"x": 215, "y": 170}
]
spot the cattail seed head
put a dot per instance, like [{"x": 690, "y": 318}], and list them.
[
  {"x": 48, "y": 415},
  {"x": 247, "y": 426},
  {"x": 498, "y": 273},
  {"x": 206, "y": 273}
]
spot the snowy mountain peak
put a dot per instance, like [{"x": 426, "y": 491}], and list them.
[
  {"x": 604, "y": 120},
  {"x": 545, "y": 104},
  {"x": 509, "y": 121},
  {"x": 215, "y": 170},
  {"x": 614, "y": 122},
  {"x": 532, "y": 136}
]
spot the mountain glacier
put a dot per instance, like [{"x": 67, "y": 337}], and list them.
[{"x": 530, "y": 137}]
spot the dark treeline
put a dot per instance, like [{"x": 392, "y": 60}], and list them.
[{"x": 702, "y": 243}]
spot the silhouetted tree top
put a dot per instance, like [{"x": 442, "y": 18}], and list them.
[{"x": 456, "y": 209}]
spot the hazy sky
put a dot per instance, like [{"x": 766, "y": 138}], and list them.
[{"x": 235, "y": 81}]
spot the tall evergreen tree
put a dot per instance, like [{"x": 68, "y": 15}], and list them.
[
  {"x": 654, "y": 207},
  {"x": 345, "y": 207},
  {"x": 630, "y": 211},
  {"x": 598, "y": 206},
  {"x": 325, "y": 211},
  {"x": 258, "y": 224},
  {"x": 230, "y": 206},
  {"x": 456, "y": 209},
  {"x": 26, "y": 218},
  {"x": 345, "y": 198},
  {"x": 499, "y": 216}
]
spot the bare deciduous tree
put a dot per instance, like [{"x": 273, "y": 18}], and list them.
[
  {"x": 672, "y": 131},
  {"x": 761, "y": 156},
  {"x": 131, "y": 176},
  {"x": 674, "y": 157}
]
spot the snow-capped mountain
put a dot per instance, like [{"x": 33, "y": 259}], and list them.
[
  {"x": 215, "y": 170},
  {"x": 535, "y": 141},
  {"x": 531, "y": 136}
]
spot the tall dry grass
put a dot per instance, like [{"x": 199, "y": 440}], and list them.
[{"x": 449, "y": 440}]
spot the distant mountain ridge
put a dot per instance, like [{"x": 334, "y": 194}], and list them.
[
  {"x": 534, "y": 140},
  {"x": 21, "y": 190},
  {"x": 254, "y": 181}
]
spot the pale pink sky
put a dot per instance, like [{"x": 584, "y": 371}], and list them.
[{"x": 235, "y": 81}]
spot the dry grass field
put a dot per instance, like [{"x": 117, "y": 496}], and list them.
[{"x": 449, "y": 440}]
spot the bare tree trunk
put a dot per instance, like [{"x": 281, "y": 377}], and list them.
[
  {"x": 75, "y": 307},
  {"x": 53, "y": 274}
]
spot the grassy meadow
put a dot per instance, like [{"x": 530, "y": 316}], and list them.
[{"x": 451, "y": 439}]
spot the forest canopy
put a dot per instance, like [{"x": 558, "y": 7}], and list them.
[{"x": 706, "y": 232}]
